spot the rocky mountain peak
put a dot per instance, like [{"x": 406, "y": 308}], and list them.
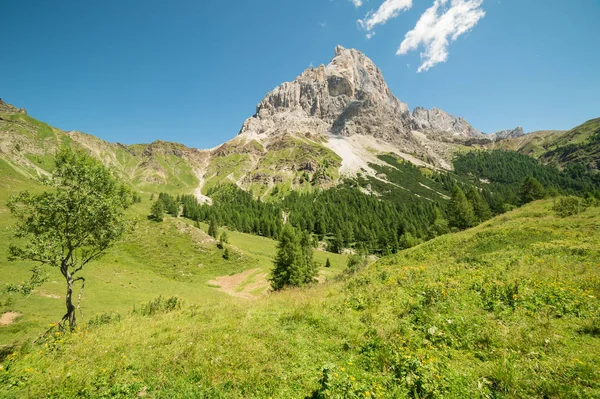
[
  {"x": 437, "y": 120},
  {"x": 507, "y": 134},
  {"x": 348, "y": 96}
]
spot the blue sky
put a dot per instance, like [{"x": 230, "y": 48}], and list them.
[{"x": 192, "y": 71}]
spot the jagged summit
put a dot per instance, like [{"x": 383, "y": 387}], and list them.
[{"x": 349, "y": 96}]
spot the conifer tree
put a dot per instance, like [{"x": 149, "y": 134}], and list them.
[
  {"x": 213, "y": 229},
  {"x": 309, "y": 265},
  {"x": 328, "y": 263},
  {"x": 479, "y": 204},
  {"x": 460, "y": 210},
  {"x": 157, "y": 211},
  {"x": 294, "y": 264},
  {"x": 531, "y": 190},
  {"x": 440, "y": 224}
]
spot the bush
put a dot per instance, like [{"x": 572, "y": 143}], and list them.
[
  {"x": 104, "y": 318},
  {"x": 568, "y": 206},
  {"x": 159, "y": 305}
]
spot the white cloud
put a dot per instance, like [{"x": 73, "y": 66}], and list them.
[
  {"x": 370, "y": 35},
  {"x": 386, "y": 11},
  {"x": 357, "y": 3},
  {"x": 440, "y": 25}
]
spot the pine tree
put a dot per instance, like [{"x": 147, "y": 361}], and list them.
[
  {"x": 310, "y": 267},
  {"x": 213, "y": 229},
  {"x": 294, "y": 264},
  {"x": 479, "y": 204},
  {"x": 440, "y": 224},
  {"x": 157, "y": 211},
  {"x": 531, "y": 190},
  {"x": 328, "y": 263},
  {"x": 226, "y": 254},
  {"x": 288, "y": 261},
  {"x": 460, "y": 210},
  {"x": 337, "y": 244},
  {"x": 224, "y": 238}
]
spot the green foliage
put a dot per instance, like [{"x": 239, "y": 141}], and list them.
[
  {"x": 328, "y": 263},
  {"x": 508, "y": 309},
  {"x": 505, "y": 171},
  {"x": 213, "y": 229},
  {"x": 460, "y": 210},
  {"x": 293, "y": 264},
  {"x": 38, "y": 277},
  {"x": 531, "y": 190},
  {"x": 73, "y": 223},
  {"x": 224, "y": 238},
  {"x": 171, "y": 206},
  {"x": 159, "y": 305},
  {"x": 356, "y": 262},
  {"x": 226, "y": 254},
  {"x": 568, "y": 206},
  {"x": 480, "y": 206},
  {"x": 157, "y": 212}
]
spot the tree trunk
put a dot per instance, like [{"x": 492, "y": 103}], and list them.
[{"x": 70, "y": 308}]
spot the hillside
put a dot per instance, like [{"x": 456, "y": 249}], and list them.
[
  {"x": 169, "y": 258},
  {"x": 507, "y": 309},
  {"x": 580, "y": 145}
]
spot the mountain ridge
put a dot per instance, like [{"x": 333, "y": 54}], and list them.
[{"x": 331, "y": 122}]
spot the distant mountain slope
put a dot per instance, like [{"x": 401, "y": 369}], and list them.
[
  {"x": 578, "y": 145},
  {"x": 28, "y": 145}
]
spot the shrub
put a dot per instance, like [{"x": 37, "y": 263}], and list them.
[
  {"x": 568, "y": 206},
  {"x": 159, "y": 305}
]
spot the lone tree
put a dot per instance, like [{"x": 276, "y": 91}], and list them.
[
  {"x": 213, "y": 229},
  {"x": 293, "y": 265},
  {"x": 157, "y": 212},
  {"x": 72, "y": 224}
]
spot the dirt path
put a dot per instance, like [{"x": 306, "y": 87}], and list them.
[
  {"x": 250, "y": 284},
  {"x": 8, "y": 318}
]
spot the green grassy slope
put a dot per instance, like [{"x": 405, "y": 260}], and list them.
[
  {"x": 508, "y": 309},
  {"x": 533, "y": 144},
  {"x": 578, "y": 145},
  {"x": 29, "y": 145},
  {"x": 169, "y": 258}
]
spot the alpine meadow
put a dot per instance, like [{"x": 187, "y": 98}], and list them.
[{"x": 340, "y": 245}]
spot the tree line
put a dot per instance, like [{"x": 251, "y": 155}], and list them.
[{"x": 483, "y": 184}]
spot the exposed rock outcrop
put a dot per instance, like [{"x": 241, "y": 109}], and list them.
[
  {"x": 507, "y": 134},
  {"x": 436, "y": 120},
  {"x": 10, "y": 109},
  {"x": 350, "y": 97}
]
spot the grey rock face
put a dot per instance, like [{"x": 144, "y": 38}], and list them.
[
  {"x": 436, "y": 120},
  {"x": 347, "y": 97},
  {"x": 507, "y": 134}
]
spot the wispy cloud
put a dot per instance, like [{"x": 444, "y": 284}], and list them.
[
  {"x": 440, "y": 25},
  {"x": 357, "y": 3},
  {"x": 386, "y": 11},
  {"x": 370, "y": 35}
]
